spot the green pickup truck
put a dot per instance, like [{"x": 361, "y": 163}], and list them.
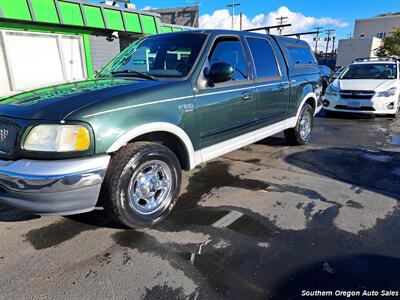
[{"x": 165, "y": 104}]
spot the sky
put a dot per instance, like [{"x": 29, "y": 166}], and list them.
[{"x": 304, "y": 15}]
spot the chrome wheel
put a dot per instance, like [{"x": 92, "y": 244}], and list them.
[
  {"x": 150, "y": 187},
  {"x": 305, "y": 125}
]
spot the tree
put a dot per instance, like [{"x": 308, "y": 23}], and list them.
[{"x": 390, "y": 45}]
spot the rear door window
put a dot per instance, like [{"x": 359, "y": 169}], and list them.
[
  {"x": 301, "y": 55},
  {"x": 264, "y": 58}
]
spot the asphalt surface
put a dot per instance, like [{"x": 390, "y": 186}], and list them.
[{"x": 266, "y": 221}]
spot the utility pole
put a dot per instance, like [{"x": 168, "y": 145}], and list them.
[
  {"x": 333, "y": 45},
  {"x": 241, "y": 21},
  {"x": 349, "y": 35},
  {"x": 233, "y": 5},
  {"x": 281, "y": 21},
  {"x": 195, "y": 21},
  {"x": 328, "y": 32},
  {"x": 317, "y": 38}
]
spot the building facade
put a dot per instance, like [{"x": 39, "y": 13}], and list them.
[
  {"x": 379, "y": 26},
  {"x": 350, "y": 49},
  {"x": 48, "y": 42},
  {"x": 185, "y": 16},
  {"x": 367, "y": 37}
]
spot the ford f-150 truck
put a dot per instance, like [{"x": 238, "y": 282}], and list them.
[{"x": 167, "y": 103}]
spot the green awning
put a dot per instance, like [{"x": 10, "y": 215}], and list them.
[{"x": 84, "y": 14}]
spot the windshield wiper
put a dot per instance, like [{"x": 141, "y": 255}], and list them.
[{"x": 134, "y": 74}]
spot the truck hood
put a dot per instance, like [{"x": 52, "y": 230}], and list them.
[
  {"x": 377, "y": 85},
  {"x": 56, "y": 102}
]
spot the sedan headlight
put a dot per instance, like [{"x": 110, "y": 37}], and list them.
[
  {"x": 57, "y": 138},
  {"x": 331, "y": 91},
  {"x": 389, "y": 93}
]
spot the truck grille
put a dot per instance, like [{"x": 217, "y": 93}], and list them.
[
  {"x": 8, "y": 137},
  {"x": 357, "y": 94}
]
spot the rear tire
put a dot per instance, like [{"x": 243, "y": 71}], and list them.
[
  {"x": 301, "y": 133},
  {"x": 142, "y": 184}
]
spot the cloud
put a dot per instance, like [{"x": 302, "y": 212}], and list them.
[
  {"x": 148, "y": 7},
  {"x": 222, "y": 19}
]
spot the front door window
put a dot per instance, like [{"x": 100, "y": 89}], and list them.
[{"x": 229, "y": 50}]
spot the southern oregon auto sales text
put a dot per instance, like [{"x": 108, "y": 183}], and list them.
[{"x": 349, "y": 294}]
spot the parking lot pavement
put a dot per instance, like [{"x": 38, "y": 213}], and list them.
[{"x": 265, "y": 221}]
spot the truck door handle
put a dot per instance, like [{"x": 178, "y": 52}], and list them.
[{"x": 247, "y": 96}]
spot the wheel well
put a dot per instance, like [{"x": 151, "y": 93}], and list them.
[
  {"x": 311, "y": 101},
  {"x": 169, "y": 140}
]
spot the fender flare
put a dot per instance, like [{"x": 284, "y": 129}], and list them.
[
  {"x": 156, "y": 127},
  {"x": 306, "y": 97},
  {"x": 291, "y": 122}
]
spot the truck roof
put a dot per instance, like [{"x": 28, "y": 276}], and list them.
[{"x": 243, "y": 33}]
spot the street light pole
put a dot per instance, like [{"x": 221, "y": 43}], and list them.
[{"x": 233, "y": 5}]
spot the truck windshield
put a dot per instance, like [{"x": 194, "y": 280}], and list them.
[
  {"x": 370, "y": 71},
  {"x": 160, "y": 56}
]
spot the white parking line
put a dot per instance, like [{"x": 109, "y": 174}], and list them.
[{"x": 228, "y": 219}]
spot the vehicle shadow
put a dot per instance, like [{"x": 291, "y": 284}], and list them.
[
  {"x": 11, "y": 214},
  {"x": 376, "y": 170},
  {"x": 96, "y": 218},
  {"x": 351, "y": 116},
  {"x": 356, "y": 272},
  {"x": 274, "y": 141}
]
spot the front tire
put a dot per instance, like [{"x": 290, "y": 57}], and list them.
[
  {"x": 301, "y": 133},
  {"x": 142, "y": 184}
]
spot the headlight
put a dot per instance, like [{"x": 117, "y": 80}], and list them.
[
  {"x": 389, "y": 93},
  {"x": 331, "y": 91},
  {"x": 58, "y": 138}
]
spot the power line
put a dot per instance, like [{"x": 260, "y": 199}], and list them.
[{"x": 233, "y": 5}]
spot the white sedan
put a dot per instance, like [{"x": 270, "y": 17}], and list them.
[{"x": 369, "y": 86}]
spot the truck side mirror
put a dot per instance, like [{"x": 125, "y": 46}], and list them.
[{"x": 220, "y": 72}]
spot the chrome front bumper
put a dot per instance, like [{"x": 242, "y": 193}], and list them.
[{"x": 60, "y": 187}]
